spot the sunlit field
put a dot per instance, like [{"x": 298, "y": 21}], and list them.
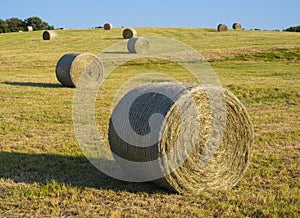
[{"x": 43, "y": 171}]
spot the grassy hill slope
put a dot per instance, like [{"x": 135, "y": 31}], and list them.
[{"x": 44, "y": 173}]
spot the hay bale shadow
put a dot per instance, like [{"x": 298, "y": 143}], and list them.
[
  {"x": 116, "y": 38},
  {"x": 116, "y": 52},
  {"x": 34, "y": 84},
  {"x": 212, "y": 30},
  {"x": 75, "y": 171}
]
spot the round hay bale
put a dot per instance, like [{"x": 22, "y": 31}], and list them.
[
  {"x": 128, "y": 33},
  {"x": 49, "y": 35},
  {"x": 229, "y": 161},
  {"x": 72, "y": 66},
  {"x": 138, "y": 45},
  {"x": 108, "y": 26},
  {"x": 237, "y": 26},
  {"x": 222, "y": 28},
  {"x": 29, "y": 28}
]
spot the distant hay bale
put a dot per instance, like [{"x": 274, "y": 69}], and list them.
[
  {"x": 222, "y": 28},
  {"x": 49, "y": 35},
  {"x": 72, "y": 66},
  {"x": 138, "y": 45},
  {"x": 229, "y": 161},
  {"x": 29, "y": 28},
  {"x": 128, "y": 33},
  {"x": 237, "y": 26},
  {"x": 108, "y": 26}
]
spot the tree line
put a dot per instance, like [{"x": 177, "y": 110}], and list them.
[
  {"x": 15, "y": 24},
  {"x": 293, "y": 29}
]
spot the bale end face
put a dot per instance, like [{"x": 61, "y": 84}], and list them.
[
  {"x": 49, "y": 35},
  {"x": 107, "y": 26},
  {"x": 222, "y": 28},
  {"x": 188, "y": 126},
  {"x": 79, "y": 70},
  {"x": 139, "y": 45},
  {"x": 237, "y": 26},
  {"x": 128, "y": 33}
]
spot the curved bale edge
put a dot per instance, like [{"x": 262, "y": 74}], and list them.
[
  {"x": 229, "y": 161},
  {"x": 49, "y": 35},
  {"x": 138, "y": 45},
  {"x": 72, "y": 67},
  {"x": 222, "y": 28},
  {"x": 107, "y": 26},
  {"x": 128, "y": 33},
  {"x": 236, "y": 26}
]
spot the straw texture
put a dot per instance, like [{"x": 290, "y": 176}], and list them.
[
  {"x": 107, "y": 26},
  {"x": 49, "y": 35},
  {"x": 72, "y": 66},
  {"x": 228, "y": 163},
  {"x": 138, "y": 45},
  {"x": 29, "y": 28},
  {"x": 236, "y": 26},
  {"x": 222, "y": 28},
  {"x": 128, "y": 33}
]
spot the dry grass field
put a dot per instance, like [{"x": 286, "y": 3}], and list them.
[{"x": 43, "y": 172}]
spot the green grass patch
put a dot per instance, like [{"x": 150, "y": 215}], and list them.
[{"x": 44, "y": 173}]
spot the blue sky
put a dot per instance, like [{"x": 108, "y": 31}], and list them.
[{"x": 262, "y": 14}]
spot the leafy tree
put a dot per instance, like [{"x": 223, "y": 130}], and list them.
[
  {"x": 15, "y": 24},
  {"x": 3, "y": 26},
  {"x": 37, "y": 23},
  {"x": 293, "y": 29},
  {"x": 51, "y": 27}
]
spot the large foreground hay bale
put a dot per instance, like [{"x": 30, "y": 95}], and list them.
[
  {"x": 229, "y": 161},
  {"x": 138, "y": 45},
  {"x": 107, "y": 26},
  {"x": 29, "y": 28},
  {"x": 72, "y": 66},
  {"x": 222, "y": 27},
  {"x": 128, "y": 33},
  {"x": 237, "y": 26},
  {"x": 49, "y": 35}
]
